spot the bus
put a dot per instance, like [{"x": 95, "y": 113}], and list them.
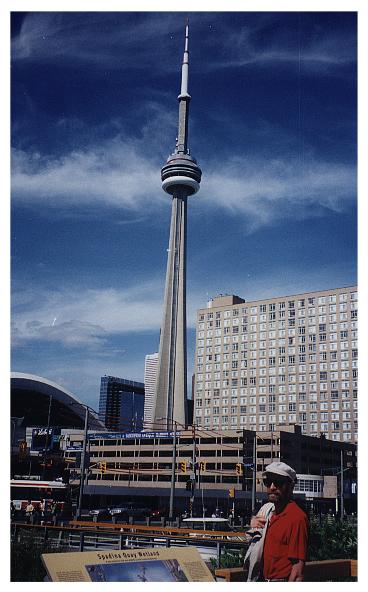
[{"x": 36, "y": 490}]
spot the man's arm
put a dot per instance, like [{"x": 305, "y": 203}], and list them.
[{"x": 297, "y": 571}]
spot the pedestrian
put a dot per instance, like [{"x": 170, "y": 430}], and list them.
[
  {"x": 330, "y": 517},
  {"x": 43, "y": 511},
  {"x": 12, "y": 510},
  {"x": 29, "y": 512},
  {"x": 36, "y": 514},
  {"x": 55, "y": 512},
  {"x": 281, "y": 549}
]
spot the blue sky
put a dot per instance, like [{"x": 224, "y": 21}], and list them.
[{"x": 94, "y": 116}]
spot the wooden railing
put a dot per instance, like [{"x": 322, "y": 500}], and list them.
[
  {"x": 85, "y": 536},
  {"x": 163, "y": 530}
]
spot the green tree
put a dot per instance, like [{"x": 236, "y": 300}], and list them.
[{"x": 332, "y": 540}]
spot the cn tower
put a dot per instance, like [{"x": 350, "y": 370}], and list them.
[{"x": 181, "y": 177}]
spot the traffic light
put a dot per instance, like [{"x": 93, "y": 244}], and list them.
[
  {"x": 239, "y": 468},
  {"x": 232, "y": 492},
  {"x": 23, "y": 448},
  {"x": 202, "y": 466},
  {"x": 102, "y": 467},
  {"x": 189, "y": 485},
  {"x": 183, "y": 466},
  {"x": 65, "y": 475}
]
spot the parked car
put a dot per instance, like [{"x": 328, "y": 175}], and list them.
[
  {"x": 159, "y": 513},
  {"x": 124, "y": 510},
  {"x": 100, "y": 513}
]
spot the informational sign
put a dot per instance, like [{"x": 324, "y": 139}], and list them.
[
  {"x": 48, "y": 438},
  {"x": 131, "y": 565},
  {"x": 74, "y": 445},
  {"x": 42, "y": 437},
  {"x": 129, "y": 435}
]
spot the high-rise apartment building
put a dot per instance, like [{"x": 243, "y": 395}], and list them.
[
  {"x": 150, "y": 376},
  {"x": 279, "y": 361},
  {"x": 121, "y": 403}
]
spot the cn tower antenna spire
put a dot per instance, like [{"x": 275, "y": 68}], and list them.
[
  {"x": 184, "y": 98},
  {"x": 180, "y": 177},
  {"x": 185, "y": 66}
]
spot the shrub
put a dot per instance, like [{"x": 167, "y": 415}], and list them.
[
  {"x": 332, "y": 540},
  {"x": 25, "y": 559},
  {"x": 327, "y": 540},
  {"x": 229, "y": 559}
]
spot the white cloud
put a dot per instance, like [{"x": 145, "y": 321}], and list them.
[
  {"x": 113, "y": 174},
  {"x": 120, "y": 172},
  {"x": 321, "y": 57},
  {"x": 88, "y": 317},
  {"x": 108, "y": 40},
  {"x": 268, "y": 42},
  {"x": 268, "y": 191},
  {"x": 117, "y": 174},
  {"x": 119, "y": 41}
]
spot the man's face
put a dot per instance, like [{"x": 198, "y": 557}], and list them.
[{"x": 279, "y": 488}]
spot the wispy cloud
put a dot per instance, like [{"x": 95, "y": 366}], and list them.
[
  {"x": 77, "y": 317},
  {"x": 118, "y": 175},
  {"x": 114, "y": 174},
  {"x": 88, "y": 316},
  {"x": 265, "y": 191},
  {"x": 126, "y": 40},
  {"x": 108, "y": 40},
  {"x": 118, "y": 169},
  {"x": 318, "y": 55}
]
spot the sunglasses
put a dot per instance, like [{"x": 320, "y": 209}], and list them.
[{"x": 277, "y": 481}]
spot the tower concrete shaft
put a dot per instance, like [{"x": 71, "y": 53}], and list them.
[{"x": 180, "y": 178}]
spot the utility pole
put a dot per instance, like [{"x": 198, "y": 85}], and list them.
[
  {"x": 254, "y": 473},
  {"x": 83, "y": 466},
  {"x": 341, "y": 485},
  {"x": 47, "y": 437},
  {"x": 271, "y": 445},
  {"x": 193, "y": 476},
  {"x": 173, "y": 476}
]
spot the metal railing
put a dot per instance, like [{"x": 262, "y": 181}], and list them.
[{"x": 72, "y": 538}]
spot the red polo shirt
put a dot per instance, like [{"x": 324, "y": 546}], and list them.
[{"x": 286, "y": 538}]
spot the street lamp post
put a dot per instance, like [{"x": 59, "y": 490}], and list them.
[
  {"x": 254, "y": 476},
  {"x": 47, "y": 437},
  {"x": 13, "y": 432},
  {"x": 341, "y": 485},
  {"x": 194, "y": 471},
  {"x": 83, "y": 465},
  {"x": 173, "y": 469},
  {"x": 173, "y": 476},
  {"x": 253, "y": 464}
]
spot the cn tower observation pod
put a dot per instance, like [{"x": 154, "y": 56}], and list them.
[{"x": 181, "y": 173}]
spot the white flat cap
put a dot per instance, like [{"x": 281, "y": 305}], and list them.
[{"x": 280, "y": 468}]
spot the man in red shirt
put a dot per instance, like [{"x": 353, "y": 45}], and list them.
[{"x": 286, "y": 537}]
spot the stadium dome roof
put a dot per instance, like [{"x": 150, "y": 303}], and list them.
[{"x": 30, "y": 398}]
